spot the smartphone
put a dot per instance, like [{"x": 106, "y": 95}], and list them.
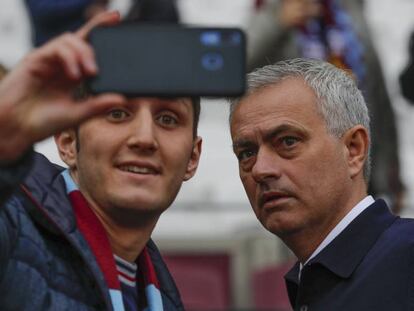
[{"x": 164, "y": 60}]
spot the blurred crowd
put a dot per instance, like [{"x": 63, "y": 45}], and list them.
[{"x": 51, "y": 18}]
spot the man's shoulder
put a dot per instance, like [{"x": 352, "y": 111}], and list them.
[
  {"x": 403, "y": 228},
  {"x": 376, "y": 232},
  {"x": 396, "y": 243},
  {"x": 39, "y": 198},
  {"x": 43, "y": 178},
  {"x": 399, "y": 230},
  {"x": 43, "y": 169}
]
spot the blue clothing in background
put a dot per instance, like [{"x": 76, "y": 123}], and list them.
[{"x": 50, "y": 18}]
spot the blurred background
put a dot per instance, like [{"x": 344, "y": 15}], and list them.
[{"x": 220, "y": 256}]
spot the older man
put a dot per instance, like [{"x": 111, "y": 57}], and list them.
[{"x": 301, "y": 136}]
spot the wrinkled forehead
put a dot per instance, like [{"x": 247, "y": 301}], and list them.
[{"x": 284, "y": 103}]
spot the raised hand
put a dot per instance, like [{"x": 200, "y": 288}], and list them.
[{"x": 36, "y": 97}]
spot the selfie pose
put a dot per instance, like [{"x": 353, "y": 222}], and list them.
[
  {"x": 79, "y": 238},
  {"x": 301, "y": 135}
]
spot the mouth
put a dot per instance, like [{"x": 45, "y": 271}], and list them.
[
  {"x": 273, "y": 199},
  {"x": 142, "y": 169}
]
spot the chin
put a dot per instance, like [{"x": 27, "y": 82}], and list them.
[
  {"x": 281, "y": 227},
  {"x": 133, "y": 201}
]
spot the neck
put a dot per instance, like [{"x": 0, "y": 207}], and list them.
[
  {"x": 126, "y": 236},
  {"x": 128, "y": 243},
  {"x": 128, "y": 230}
]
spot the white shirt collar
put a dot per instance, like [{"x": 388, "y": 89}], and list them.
[{"x": 353, "y": 213}]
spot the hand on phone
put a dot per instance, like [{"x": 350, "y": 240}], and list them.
[{"x": 36, "y": 98}]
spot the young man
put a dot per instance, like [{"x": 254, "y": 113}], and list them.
[
  {"x": 79, "y": 239},
  {"x": 301, "y": 136}
]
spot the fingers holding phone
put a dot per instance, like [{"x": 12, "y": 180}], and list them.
[{"x": 36, "y": 98}]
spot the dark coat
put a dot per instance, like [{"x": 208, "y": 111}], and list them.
[
  {"x": 45, "y": 263},
  {"x": 368, "y": 266}
]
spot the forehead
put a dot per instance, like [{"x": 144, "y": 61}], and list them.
[
  {"x": 182, "y": 103},
  {"x": 290, "y": 102}
]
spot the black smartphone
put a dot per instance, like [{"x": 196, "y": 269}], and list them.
[{"x": 165, "y": 60}]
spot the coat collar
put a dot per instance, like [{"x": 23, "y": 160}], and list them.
[
  {"x": 343, "y": 255},
  {"x": 167, "y": 284},
  {"x": 345, "y": 252},
  {"x": 52, "y": 210},
  {"x": 46, "y": 187}
]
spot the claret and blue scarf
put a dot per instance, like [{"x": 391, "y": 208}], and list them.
[
  {"x": 128, "y": 292},
  {"x": 332, "y": 37}
]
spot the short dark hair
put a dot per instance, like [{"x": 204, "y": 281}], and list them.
[{"x": 196, "y": 113}]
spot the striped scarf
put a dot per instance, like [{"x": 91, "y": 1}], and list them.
[
  {"x": 331, "y": 37},
  {"x": 95, "y": 234}
]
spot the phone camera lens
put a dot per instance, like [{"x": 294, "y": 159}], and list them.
[
  {"x": 212, "y": 61},
  {"x": 210, "y": 38}
]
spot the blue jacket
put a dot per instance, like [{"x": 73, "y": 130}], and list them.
[
  {"x": 45, "y": 263},
  {"x": 50, "y": 18},
  {"x": 369, "y": 266}
]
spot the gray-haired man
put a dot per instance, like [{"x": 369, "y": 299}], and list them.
[{"x": 301, "y": 136}]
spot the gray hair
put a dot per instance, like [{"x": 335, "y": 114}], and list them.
[{"x": 340, "y": 102}]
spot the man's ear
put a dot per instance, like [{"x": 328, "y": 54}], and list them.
[
  {"x": 66, "y": 144},
  {"x": 356, "y": 141},
  {"x": 194, "y": 159}
]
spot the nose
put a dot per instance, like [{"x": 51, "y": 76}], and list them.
[
  {"x": 267, "y": 166},
  {"x": 143, "y": 133}
]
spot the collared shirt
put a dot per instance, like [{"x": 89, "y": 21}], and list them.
[{"x": 353, "y": 213}]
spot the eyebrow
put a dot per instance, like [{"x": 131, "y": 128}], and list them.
[
  {"x": 268, "y": 135},
  {"x": 177, "y": 100},
  {"x": 276, "y": 131},
  {"x": 242, "y": 144},
  {"x": 174, "y": 99}
]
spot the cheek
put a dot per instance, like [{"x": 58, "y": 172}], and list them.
[
  {"x": 311, "y": 184},
  {"x": 324, "y": 180},
  {"x": 97, "y": 140},
  {"x": 92, "y": 156},
  {"x": 176, "y": 155},
  {"x": 249, "y": 186}
]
